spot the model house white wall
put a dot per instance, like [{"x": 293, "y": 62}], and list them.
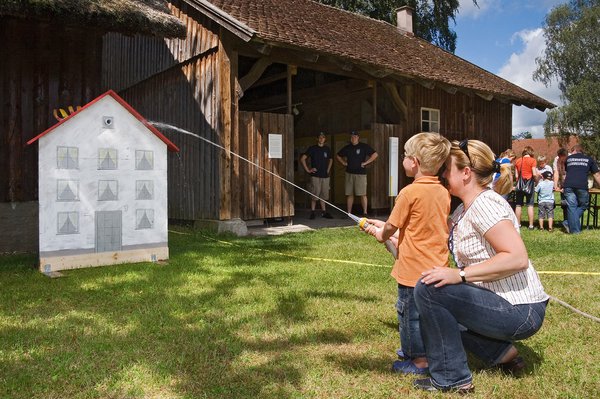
[{"x": 102, "y": 189}]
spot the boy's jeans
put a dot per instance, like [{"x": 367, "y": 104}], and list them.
[
  {"x": 465, "y": 314},
  {"x": 577, "y": 202},
  {"x": 408, "y": 323}
]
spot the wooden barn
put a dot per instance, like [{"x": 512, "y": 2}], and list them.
[{"x": 251, "y": 70}]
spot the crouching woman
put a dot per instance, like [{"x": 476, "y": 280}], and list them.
[{"x": 495, "y": 296}]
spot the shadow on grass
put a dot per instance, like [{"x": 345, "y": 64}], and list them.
[{"x": 186, "y": 323}]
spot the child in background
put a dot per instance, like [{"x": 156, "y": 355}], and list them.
[
  {"x": 542, "y": 166},
  {"x": 419, "y": 221},
  {"x": 545, "y": 192}
]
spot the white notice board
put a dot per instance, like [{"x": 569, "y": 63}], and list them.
[
  {"x": 394, "y": 167},
  {"x": 275, "y": 146}
]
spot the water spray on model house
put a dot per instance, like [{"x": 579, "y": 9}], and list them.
[{"x": 362, "y": 222}]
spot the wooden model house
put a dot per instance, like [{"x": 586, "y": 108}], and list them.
[{"x": 102, "y": 188}]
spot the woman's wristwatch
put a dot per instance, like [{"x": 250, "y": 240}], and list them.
[{"x": 461, "y": 273}]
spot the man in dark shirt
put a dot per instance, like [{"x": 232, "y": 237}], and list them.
[
  {"x": 320, "y": 166},
  {"x": 355, "y": 157},
  {"x": 575, "y": 188}
]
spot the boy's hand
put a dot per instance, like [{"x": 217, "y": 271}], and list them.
[{"x": 375, "y": 222}]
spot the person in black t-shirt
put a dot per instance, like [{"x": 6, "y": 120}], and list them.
[
  {"x": 575, "y": 188},
  {"x": 320, "y": 165},
  {"x": 355, "y": 157}
]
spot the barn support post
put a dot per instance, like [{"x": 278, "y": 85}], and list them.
[{"x": 224, "y": 128}]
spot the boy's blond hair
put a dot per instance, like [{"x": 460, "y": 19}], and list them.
[{"x": 431, "y": 149}]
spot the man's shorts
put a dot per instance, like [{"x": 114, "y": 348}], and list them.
[
  {"x": 319, "y": 186},
  {"x": 356, "y": 184},
  {"x": 546, "y": 210}
]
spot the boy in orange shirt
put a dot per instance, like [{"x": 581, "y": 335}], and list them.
[{"x": 419, "y": 217}]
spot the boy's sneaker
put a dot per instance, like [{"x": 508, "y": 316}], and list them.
[
  {"x": 566, "y": 226},
  {"x": 327, "y": 215},
  {"x": 408, "y": 367},
  {"x": 312, "y": 215},
  {"x": 400, "y": 354}
]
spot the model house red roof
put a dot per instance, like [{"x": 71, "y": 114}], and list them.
[
  {"x": 372, "y": 45},
  {"x": 172, "y": 147}
]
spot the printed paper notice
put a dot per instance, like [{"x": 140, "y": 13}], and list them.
[{"x": 275, "y": 146}]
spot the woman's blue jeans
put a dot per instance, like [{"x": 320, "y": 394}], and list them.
[
  {"x": 465, "y": 316},
  {"x": 577, "y": 202}
]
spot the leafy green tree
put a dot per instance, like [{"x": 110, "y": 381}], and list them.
[
  {"x": 572, "y": 56},
  {"x": 430, "y": 20},
  {"x": 522, "y": 135}
]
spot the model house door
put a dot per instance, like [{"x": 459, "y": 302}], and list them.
[{"x": 108, "y": 231}]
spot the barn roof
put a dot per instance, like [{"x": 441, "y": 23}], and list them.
[
  {"x": 172, "y": 147},
  {"x": 148, "y": 17},
  {"x": 374, "y": 46}
]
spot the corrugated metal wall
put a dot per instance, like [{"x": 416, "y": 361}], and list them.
[{"x": 176, "y": 82}]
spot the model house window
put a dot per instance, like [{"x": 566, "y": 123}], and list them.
[
  {"x": 68, "y": 223},
  {"x": 67, "y": 190},
  {"x": 144, "y": 160},
  {"x": 108, "y": 190},
  {"x": 430, "y": 120},
  {"x": 144, "y": 190},
  {"x": 144, "y": 219},
  {"x": 107, "y": 159},
  {"x": 67, "y": 157}
]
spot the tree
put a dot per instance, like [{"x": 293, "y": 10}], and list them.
[
  {"x": 572, "y": 56},
  {"x": 430, "y": 20},
  {"x": 522, "y": 135}
]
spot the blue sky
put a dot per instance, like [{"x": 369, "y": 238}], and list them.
[{"x": 504, "y": 37}]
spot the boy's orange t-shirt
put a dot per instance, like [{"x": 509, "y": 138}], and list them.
[{"x": 421, "y": 213}]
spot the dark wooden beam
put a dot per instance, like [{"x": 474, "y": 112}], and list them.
[
  {"x": 309, "y": 95},
  {"x": 397, "y": 99},
  {"x": 255, "y": 73},
  {"x": 485, "y": 96}
]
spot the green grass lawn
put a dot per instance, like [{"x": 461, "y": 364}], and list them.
[{"x": 232, "y": 317}]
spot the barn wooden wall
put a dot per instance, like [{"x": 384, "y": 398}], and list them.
[
  {"x": 463, "y": 116},
  {"x": 379, "y": 176},
  {"x": 43, "y": 67},
  {"x": 263, "y": 194},
  {"x": 177, "y": 82}
]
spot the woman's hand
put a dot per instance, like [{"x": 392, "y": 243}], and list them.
[{"x": 441, "y": 275}]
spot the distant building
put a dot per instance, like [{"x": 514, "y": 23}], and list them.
[
  {"x": 102, "y": 188},
  {"x": 547, "y": 147}
]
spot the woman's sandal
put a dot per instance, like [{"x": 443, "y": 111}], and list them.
[
  {"x": 513, "y": 367},
  {"x": 427, "y": 385}
]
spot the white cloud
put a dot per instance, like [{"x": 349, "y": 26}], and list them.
[{"x": 519, "y": 70}]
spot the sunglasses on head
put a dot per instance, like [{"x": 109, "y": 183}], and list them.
[{"x": 464, "y": 147}]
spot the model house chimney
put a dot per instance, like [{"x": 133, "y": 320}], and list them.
[{"x": 404, "y": 19}]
